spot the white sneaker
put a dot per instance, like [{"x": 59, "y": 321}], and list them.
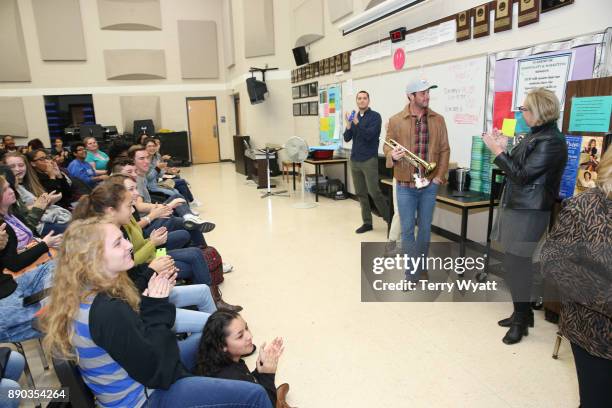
[
  {"x": 193, "y": 218},
  {"x": 227, "y": 268}
]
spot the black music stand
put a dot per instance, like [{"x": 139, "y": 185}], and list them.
[{"x": 269, "y": 191}]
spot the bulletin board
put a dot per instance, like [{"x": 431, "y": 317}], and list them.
[{"x": 513, "y": 73}]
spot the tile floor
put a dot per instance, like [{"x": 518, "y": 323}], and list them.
[{"x": 297, "y": 275}]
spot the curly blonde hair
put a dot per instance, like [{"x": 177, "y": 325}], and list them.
[{"x": 79, "y": 274}]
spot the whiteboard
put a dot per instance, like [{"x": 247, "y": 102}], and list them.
[{"x": 460, "y": 98}]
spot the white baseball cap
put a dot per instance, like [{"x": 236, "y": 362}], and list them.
[{"x": 419, "y": 85}]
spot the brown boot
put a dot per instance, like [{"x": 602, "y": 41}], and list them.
[
  {"x": 217, "y": 297},
  {"x": 281, "y": 396}
]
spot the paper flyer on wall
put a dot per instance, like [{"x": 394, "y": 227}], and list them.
[
  {"x": 330, "y": 114},
  {"x": 583, "y": 157}
]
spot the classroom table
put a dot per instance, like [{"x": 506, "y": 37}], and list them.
[
  {"x": 319, "y": 163},
  {"x": 473, "y": 200}
]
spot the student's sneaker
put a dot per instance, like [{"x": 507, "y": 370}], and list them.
[{"x": 227, "y": 268}]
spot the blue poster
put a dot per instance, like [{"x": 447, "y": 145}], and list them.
[
  {"x": 591, "y": 114},
  {"x": 568, "y": 181}
]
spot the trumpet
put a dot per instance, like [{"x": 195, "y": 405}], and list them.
[{"x": 412, "y": 158}]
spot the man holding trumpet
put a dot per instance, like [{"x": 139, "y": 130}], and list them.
[{"x": 417, "y": 148}]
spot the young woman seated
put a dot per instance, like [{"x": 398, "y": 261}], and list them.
[
  {"x": 112, "y": 199},
  {"x": 226, "y": 338},
  {"x": 27, "y": 267},
  {"x": 51, "y": 178},
  {"x": 55, "y": 218},
  {"x": 122, "y": 340}
]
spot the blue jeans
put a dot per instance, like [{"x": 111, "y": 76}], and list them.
[
  {"x": 190, "y": 321},
  {"x": 416, "y": 206},
  {"x": 191, "y": 264},
  {"x": 15, "y": 319},
  {"x": 183, "y": 188},
  {"x": 177, "y": 239},
  {"x": 56, "y": 228},
  {"x": 12, "y": 372},
  {"x": 181, "y": 209},
  {"x": 175, "y": 224}
]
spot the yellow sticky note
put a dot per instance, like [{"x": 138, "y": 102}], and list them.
[
  {"x": 508, "y": 127},
  {"x": 324, "y": 124}
]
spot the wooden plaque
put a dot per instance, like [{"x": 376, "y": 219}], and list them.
[
  {"x": 326, "y": 66},
  {"x": 338, "y": 62},
  {"x": 315, "y": 68},
  {"x": 464, "y": 26},
  {"x": 321, "y": 67},
  {"x": 346, "y": 61},
  {"x": 503, "y": 16},
  {"x": 481, "y": 20},
  {"x": 332, "y": 65},
  {"x": 529, "y": 12}
]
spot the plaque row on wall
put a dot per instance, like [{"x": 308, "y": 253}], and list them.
[{"x": 337, "y": 63}]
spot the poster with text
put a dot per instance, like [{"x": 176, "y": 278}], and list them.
[
  {"x": 551, "y": 72},
  {"x": 568, "y": 180},
  {"x": 590, "y": 156}
]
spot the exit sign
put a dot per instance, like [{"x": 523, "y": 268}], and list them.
[{"x": 397, "y": 35}]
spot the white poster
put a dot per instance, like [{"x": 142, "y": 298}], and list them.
[{"x": 550, "y": 72}]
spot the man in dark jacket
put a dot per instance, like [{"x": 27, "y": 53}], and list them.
[{"x": 363, "y": 128}]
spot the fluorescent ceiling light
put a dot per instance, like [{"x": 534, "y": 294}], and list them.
[{"x": 376, "y": 13}]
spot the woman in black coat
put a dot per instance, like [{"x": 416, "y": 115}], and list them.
[{"x": 533, "y": 176}]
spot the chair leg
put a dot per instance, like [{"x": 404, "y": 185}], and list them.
[
  {"x": 26, "y": 368},
  {"x": 42, "y": 354},
  {"x": 555, "y": 354}
]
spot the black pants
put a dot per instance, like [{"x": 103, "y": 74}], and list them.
[
  {"x": 594, "y": 379},
  {"x": 518, "y": 273}
]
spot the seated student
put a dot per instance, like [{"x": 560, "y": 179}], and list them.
[
  {"x": 50, "y": 176},
  {"x": 12, "y": 364},
  {"x": 60, "y": 154},
  {"x": 157, "y": 169},
  {"x": 35, "y": 144},
  {"x": 27, "y": 257},
  {"x": 117, "y": 150},
  {"x": 225, "y": 339},
  {"x": 113, "y": 200},
  {"x": 96, "y": 157},
  {"x": 9, "y": 145},
  {"x": 29, "y": 189},
  {"x": 79, "y": 168},
  {"x": 122, "y": 341},
  {"x": 177, "y": 202}
]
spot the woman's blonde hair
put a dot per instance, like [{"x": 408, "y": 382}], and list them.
[
  {"x": 604, "y": 173},
  {"x": 544, "y": 105},
  {"x": 30, "y": 179},
  {"x": 79, "y": 273}
]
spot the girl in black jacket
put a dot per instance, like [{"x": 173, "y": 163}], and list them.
[
  {"x": 533, "y": 176},
  {"x": 123, "y": 341},
  {"x": 226, "y": 338}
]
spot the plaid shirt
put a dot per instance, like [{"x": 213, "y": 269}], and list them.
[{"x": 422, "y": 137}]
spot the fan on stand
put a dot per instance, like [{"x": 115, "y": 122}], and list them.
[{"x": 297, "y": 152}]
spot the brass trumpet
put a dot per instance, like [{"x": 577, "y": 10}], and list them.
[{"x": 412, "y": 158}]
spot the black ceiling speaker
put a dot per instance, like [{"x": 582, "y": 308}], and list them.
[
  {"x": 300, "y": 55},
  {"x": 257, "y": 90}
]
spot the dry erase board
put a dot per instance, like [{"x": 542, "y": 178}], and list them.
[{"x": 460, "y": 98}]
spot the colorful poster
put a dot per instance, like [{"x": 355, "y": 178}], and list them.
[
  {"x": 591, "y": 114},
  {"x": 330, "y": 115},
  {"x": 568, "y": 181},
  {"x": 508, "y": 127},
  {"x": 502, "y": 108}
]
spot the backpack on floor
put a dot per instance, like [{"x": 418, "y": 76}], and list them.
[{"x": 215, "y": 264}]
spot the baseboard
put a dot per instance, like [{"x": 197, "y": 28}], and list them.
[{"x": 227, "y": 161}]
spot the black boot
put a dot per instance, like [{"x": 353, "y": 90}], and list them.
[
  {"x": 364, "y": 228},
  {"x": 518, "y": 328},
  {"x": 508, "y": 320}
]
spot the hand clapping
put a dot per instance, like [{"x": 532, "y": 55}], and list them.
[
  {"x": 159, "y": 287},
  {"x": 495, "y": 141},
  {"x": 267, "y": 361}
]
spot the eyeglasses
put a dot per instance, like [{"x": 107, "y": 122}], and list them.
[{"x": 523, "y": 109}]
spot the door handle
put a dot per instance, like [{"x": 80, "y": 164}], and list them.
[{"x": 215, "y": 131}]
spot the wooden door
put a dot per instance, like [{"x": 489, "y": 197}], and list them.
[{"x": 203, "y": 130}]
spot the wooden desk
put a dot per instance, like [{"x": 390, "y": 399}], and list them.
[
  {"x": 319, "y": 163},
  {"x": 473, "y": 200}
]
